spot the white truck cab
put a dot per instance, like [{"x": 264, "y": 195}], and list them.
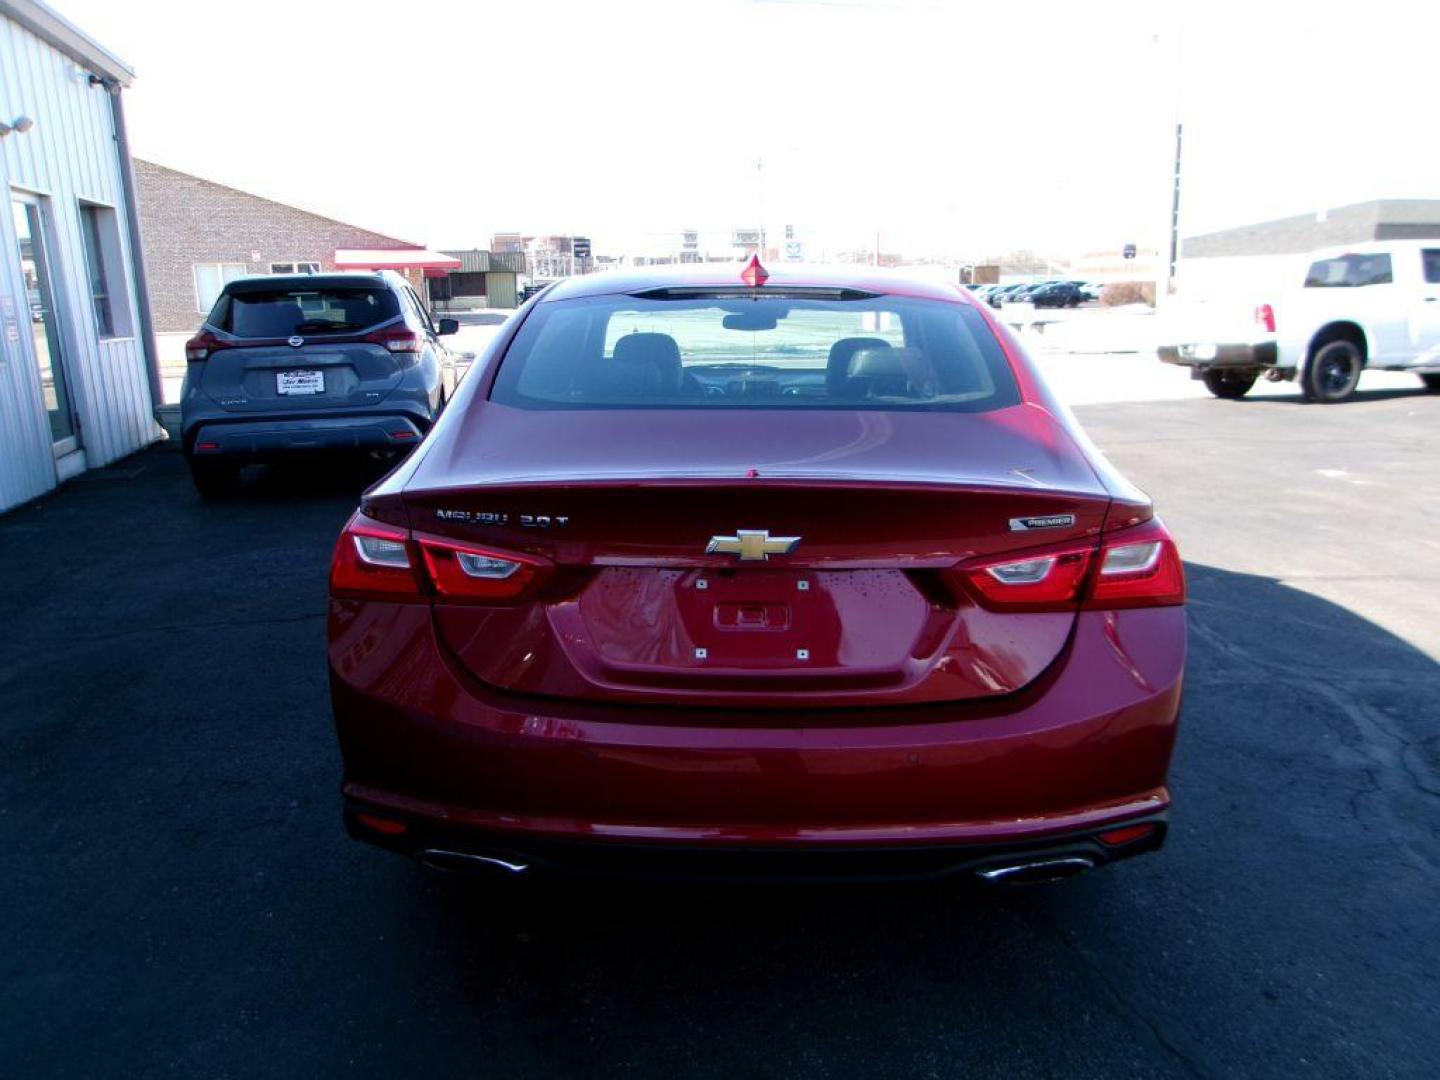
[{"x": 1370, "y": 305}]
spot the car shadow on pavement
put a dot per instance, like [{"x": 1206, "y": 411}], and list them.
[
  {"x": 308, "y": 478},
  {"x": 1290, "y": 916},
  {"x": 1297, "y": 398}
]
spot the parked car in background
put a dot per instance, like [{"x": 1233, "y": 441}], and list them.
[
  {"x": 1092, "y": 290},
  {"x": 303, "y": 363},
  {"x": 1373, "y": 305},
  {"x": 1057, "y": 294},
  {"x": 1012, "y": 294},
  {"x": 694, "y": 578}
]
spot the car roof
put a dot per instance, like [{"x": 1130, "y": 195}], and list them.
[
  {"x": 866, "y": 278},
  {"x": 268, "y": 282}
]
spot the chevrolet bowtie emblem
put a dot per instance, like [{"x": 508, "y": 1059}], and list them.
[{"x": 751, "y": 544}]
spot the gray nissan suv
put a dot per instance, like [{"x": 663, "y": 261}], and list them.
[{"x": 300, "y": 363}]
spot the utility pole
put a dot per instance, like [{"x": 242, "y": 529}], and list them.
[
  {"x": 760, "y": 205},
  {"x": 1174, "y": 214}
]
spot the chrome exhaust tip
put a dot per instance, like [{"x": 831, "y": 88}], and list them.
[
  {"x": 1037, "y": 870},
  {"x": 440, "y": 859}
]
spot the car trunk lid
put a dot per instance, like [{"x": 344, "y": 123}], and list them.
[{"x": 661, "y": 596}]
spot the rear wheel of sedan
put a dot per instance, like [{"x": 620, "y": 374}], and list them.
[
  {"x": 1432, "y": 382},
  {"x": 1333, "y": 372},
  {"x": 1229, "y": 384},
  {"x": 212, "y": 479}
]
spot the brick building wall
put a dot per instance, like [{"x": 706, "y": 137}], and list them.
[{"x": 186, "y": 221}]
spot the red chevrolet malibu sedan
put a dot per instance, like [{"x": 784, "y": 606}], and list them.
[{"x": 786, "y": 574}]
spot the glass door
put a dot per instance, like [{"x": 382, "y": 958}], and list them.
[{"x": 35, "y": 268}]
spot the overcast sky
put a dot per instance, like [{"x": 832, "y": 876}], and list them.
[{"x": 950, "y": 128}]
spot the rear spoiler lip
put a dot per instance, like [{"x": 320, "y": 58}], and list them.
[
  {"x": 758, "y": 292},
  {"x": 628, "y": 479}
]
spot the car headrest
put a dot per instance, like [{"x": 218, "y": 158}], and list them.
[
  {"x": 648, "y": 362},
  {"x": 837, "y": 367},
  {"x": 902, "y": 372}
]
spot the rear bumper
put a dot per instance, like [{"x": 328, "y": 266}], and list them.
[
  {"x": 448, "y": 846},
  {"x": 467, "y": 769},
  {"x": 1235, "y": 354},
  {"x": 277, "y": 436}
]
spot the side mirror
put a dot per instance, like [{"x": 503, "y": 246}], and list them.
[{"x": 448, "y": 326}]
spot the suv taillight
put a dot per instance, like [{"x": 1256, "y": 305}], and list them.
[
  {"x": 1265, "y": 317},
  {"x": 373, "y": 561},
  {"x": 1134, "y": 567},
  {"x": 398, "y": 339},
  {"x": 202, "y": 345}
]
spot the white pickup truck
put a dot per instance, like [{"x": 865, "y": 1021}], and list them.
[{"x": 1370, "y": 305}]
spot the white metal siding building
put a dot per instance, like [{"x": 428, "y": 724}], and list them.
[{"x": 76, "y": 384}]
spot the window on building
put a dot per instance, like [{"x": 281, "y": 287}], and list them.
[
  {"x": 1349, "y": 271},
  {"x": 100, "y": 232},
  {"x": 295, "y": 268},
  {"x": 210, "y": 278}
]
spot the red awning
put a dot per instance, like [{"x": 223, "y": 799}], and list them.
[{"x": 393, "y": 259}]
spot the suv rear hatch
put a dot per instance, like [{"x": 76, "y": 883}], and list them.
[{"x": 303, "y": 346}]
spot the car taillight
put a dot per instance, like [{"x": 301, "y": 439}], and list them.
[
  {"x": 374, "y": 561},
  {"x": 1138, "y": 567},
  {"x": 462, "y": 572},
  {"x": 202, "y": 345},
  {"x": 1265, "y": 317},
  {"x": 1134, "y": 567},
  {"x": 398, "y": 339},
  {"x": 1040, "y": 582}
]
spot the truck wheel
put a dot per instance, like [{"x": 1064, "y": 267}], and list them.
[
  {"x": 1229, "y": 384},
  {"x": 1432, "y": 382},
  {"x": 1333, "y": 372}
]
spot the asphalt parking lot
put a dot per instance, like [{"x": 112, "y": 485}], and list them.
[{"x": 179, "y": 897}]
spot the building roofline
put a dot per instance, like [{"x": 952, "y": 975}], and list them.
[
  {"x": 1377, "y": 207},
  {"x": 148, "y": 164},
  {"x": 53, "y": 28}
]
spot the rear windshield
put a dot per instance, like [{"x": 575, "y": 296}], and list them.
[
  {"x": 283, "y": 311},
  {"x": 624, "y": 352}
]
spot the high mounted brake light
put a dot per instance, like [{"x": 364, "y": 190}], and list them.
[{"x": 1133, "y": 567}]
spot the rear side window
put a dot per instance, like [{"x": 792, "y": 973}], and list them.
[
  {"x": 1430, "y": 260},
  {"x": 284, "y": 311},
  {"x": 1349, "y": 271},
  {"x": 741, "y": 351}
]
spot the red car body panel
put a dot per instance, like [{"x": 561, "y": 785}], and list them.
[{"x": 854, "y": 692}]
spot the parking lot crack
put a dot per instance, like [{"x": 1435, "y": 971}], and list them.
[{"x": 1112, "y": 989}]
